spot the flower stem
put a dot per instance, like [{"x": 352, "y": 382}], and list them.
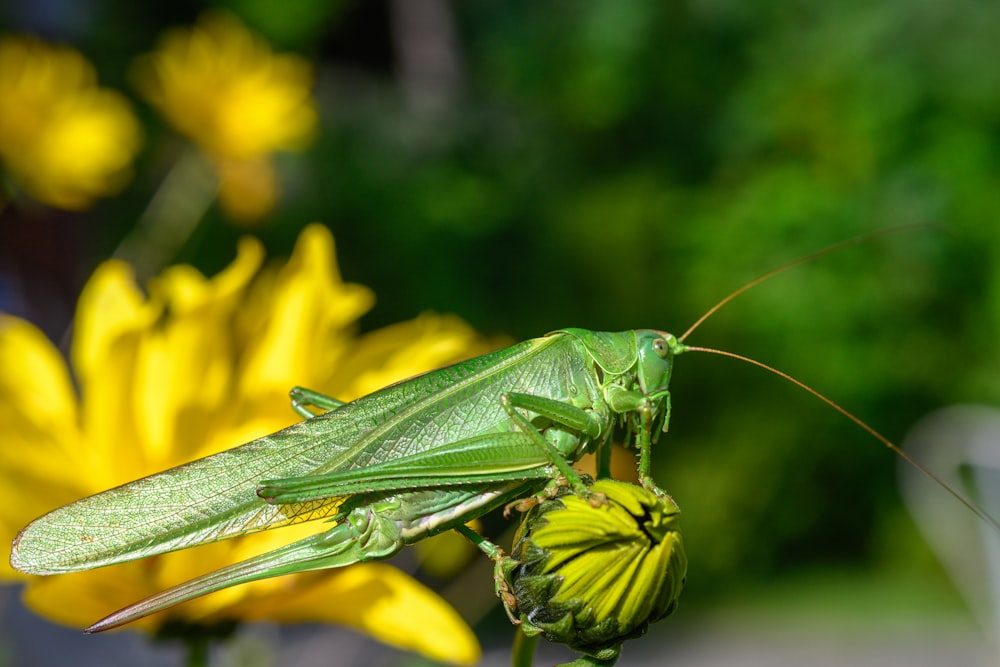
[
  {"x": 196, "y": 638},
  {"x": 523, "y": 650},
  {"x": 197, "y": 651},
  {"x": 171, "y": 216}
]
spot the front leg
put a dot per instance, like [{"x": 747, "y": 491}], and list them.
[
  {"x": 303, "y": 399},
  {"x": 639, "y": 407}
]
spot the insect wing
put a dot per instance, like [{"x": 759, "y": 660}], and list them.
[
  {"x": 203, "y": 501},
  {"x": 215, "y": 498}
]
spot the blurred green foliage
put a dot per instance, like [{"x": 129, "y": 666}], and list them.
[{"x": 615, "y": 165}]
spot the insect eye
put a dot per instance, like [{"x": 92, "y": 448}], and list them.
[{"x": 660, "y": 348}]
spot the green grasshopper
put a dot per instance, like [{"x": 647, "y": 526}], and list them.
[
  {"x": 411, "y": 460},
  {"x": 408, "y": 461}
]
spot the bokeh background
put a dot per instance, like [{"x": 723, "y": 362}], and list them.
[{"x": 615, "y": 165}]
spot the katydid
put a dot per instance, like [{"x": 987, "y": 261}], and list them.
[{"x": 411, "y": 460}]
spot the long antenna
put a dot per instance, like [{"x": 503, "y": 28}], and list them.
[
  {"x": 980, "y": 512},
  {"x": 795, "y": 262}
]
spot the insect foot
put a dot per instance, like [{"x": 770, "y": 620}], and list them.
[
  {"x": 592, "y": 576},
  {"x": 501, "y": 579},
  {"x": 556, "y": 487}
]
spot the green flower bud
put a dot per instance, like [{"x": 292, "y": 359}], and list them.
[{"x": 591, "y": 574}]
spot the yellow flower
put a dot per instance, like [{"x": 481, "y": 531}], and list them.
[
  {"x": 199, "y": 366},
  {"x": 594, "y": 574},
  {"x": 62, "y": 139},
  {"x": 222, "y": 87}
]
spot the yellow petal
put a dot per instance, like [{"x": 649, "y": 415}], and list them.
[
  {"x": 39, "y": 427},
  {"x": 184, "y": 365},
  {"x": 111, "y": 318},
  {"x": 109, "y": 305},
  {"x": 223, "y": 87},
  {"x": 187, "y": 290},
  {"x": 400, "y": 351},
  {"x": 445, "y": 554},
  {"x": 309, "y": 312},
  {"x": 378, "y": 600},
  {"x": 36, "y": 394},
  {"x": 78, "y": 599},
  {"x": 64, "y": 140},
  {"x": 86, "y": 152}
]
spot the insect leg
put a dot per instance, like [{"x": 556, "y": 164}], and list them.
[
  {"x": 644, "y": 441},
  {"x": 303, "y": 399},
  {"x": 640, "y": 409},
  {"x": 366, "y": 533},
  {"x": 491, "y": 457},
  {"x": 502, "y": 563},
  {"x": 561, "y": 413}
]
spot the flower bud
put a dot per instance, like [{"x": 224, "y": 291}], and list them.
[{"x": 593, "y": 572}]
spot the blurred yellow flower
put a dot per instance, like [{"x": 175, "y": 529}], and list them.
[
  {"x": 63, "y": 140},
  {"x": 198, "y": 366},
  {"x": 224, "y": 88}
]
